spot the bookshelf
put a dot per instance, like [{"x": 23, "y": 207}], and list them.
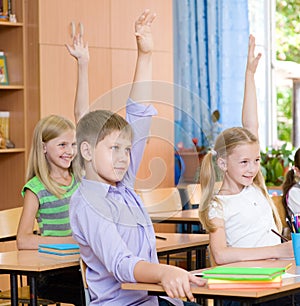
[{"x": 13, "y": 99}]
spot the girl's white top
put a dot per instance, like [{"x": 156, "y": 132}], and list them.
[{"x": 248, "y": 218}]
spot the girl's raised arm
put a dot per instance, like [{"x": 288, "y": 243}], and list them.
[
  {"x": 249, "y": 110},
  {"x": 79, "y": 50}
]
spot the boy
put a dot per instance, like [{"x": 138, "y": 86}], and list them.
[{"x": 108, "y": 220}]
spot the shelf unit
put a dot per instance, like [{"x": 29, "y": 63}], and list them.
[{"x": 13, "y": 99}]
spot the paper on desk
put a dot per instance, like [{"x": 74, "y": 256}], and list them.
[{"x": 289, "y": 275}]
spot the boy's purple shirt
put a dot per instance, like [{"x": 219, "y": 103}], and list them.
[{"x": 113, "y": 228}]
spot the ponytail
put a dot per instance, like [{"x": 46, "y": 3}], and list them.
[{"x": 207, "y": 182}]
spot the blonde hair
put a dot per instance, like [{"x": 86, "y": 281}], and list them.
[
  {"x": 225, "y": 143},
  {"x": 96, "y": 125},
  {"x": 47, "y": 129}
]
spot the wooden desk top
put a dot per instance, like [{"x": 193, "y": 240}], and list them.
[
  {"x": 176, "y": 240},
  {"x": 32, "y": 260},
  {"x": 287, "y": 283},
  {"x": 189, "y": 215}
]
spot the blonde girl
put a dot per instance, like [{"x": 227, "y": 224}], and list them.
[
  {"x": 52, "y": 178},
  {"x": 239, "y": 218}
]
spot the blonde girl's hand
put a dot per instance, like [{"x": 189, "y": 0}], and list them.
[
  {"x": 176, "y": 282},
  {"x": 252, "y": 60},
  {"x": 79, "y": 49},
  {"x": 143, "y": 31}
]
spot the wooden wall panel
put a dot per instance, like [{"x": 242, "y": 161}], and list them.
[
  {"x": 109, "y": 29},
  {"x": 56, "y": 15},
  {"x": 57, "y": 81},
  {"x": 59, "y": 77},
  {"x": 124, "y": 13},
  {"x": 157, "y": 168}
]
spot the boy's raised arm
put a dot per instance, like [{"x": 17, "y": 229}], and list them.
[
  {"x": 141, "y": 90},
  {"x": 80, "y": 52},
  {"x": 249, "y": 110}
]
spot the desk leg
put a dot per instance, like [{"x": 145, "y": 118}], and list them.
[
  {"x": 14, "y": 289},
  {"x": 201, "y": 258},
  {"x": 32, "y": 286},
  {"x": 189, "y": 260}
]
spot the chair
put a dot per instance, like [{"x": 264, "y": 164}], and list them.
[
  {"x": 9, "y": 222},
  {"x": 165, "y": 202},
  {"x": 161, "y": 200},
  {"x": 194, "y": 193},
  {"x": 85, "y": 285},
  {"x": 277, "y": 200}
]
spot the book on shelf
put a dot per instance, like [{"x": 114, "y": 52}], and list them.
[
  {"x": 5, "y": 9},
  {"x": 244, "y": 284},
  {"x": 243, "y": 273},
  {"x": 3, "y": 69},
  {"x": 4, "y": 124},
  {"x": 59, "y": 249}
]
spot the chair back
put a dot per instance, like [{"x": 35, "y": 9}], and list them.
[
  {"x": 277, "y": 200},
  {"x": 9, "y": 222},
  {"x": 161, "y": 200},
  {"x": 85, "y": 285},
  {"x": 194, "y": 192}
]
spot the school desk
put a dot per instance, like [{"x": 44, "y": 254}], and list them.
[
  {"x": 177, "y": 243},
  {"x": 30, "y": 263},
  {"x": 189, "y": 217},
  {"x": 245, "y": 296}
]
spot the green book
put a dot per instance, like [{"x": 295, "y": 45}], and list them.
[{"x": 243, "y": 273}]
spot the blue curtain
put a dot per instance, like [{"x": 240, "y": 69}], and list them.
[{"x": 210, "y": 54}]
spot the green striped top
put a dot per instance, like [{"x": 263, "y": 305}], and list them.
[{"x": 53, "y": 214}]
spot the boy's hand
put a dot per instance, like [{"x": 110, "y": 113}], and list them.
[
  {"x": 143, "y": 31},
  {"x": 79, "y": 50},
  {"x": 176, "y": 282},
  {"x": 252, "y": 60}
]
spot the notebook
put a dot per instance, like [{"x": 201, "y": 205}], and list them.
[
  {"x": 243, "y": 273},
  {"x": 61, "y": 249}
]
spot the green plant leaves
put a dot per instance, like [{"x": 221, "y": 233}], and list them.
[{"x": 274, "y": 161}]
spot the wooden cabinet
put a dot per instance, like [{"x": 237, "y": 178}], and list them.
[
  {"x": 21, "y": 97},
  {"x": 12, "y": 99}
]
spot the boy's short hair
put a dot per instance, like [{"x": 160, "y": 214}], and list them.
[{"x": 96, "y": 125}]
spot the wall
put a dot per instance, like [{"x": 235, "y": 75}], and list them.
[{"x": 109, "y": 31}]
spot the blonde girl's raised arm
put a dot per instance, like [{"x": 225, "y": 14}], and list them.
[
  {"x": 79, "y": 50},
  {"x": 249, "y": 110}
]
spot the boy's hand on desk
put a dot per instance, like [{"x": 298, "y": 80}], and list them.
[{"x": 176, "y": 282}]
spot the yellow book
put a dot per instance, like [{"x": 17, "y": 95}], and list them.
[
  {"x": 5, "y": 9},
  {"x": 4, "y": 124}
]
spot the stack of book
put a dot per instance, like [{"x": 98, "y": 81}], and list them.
[
  {"x": 243, "y": 277},
  {"x": 64, "y": 250}
]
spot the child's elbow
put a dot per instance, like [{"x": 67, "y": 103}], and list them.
[
  {"x": 22, "y": 242},
  {"x": 218, "y": 258}
]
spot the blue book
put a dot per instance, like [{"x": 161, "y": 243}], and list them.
[{"x": 61, "y": 249}]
